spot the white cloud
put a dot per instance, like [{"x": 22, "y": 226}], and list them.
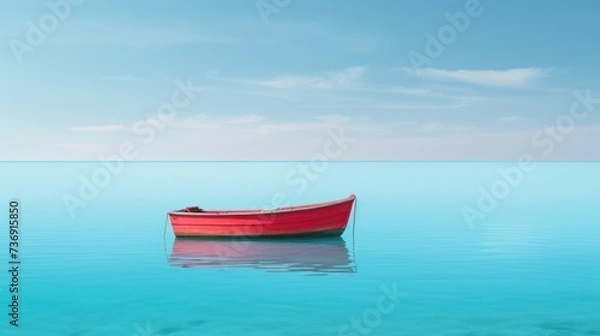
[
  {"x": 418, "y": 106},
  {"x": 410, "y": 91},
  {"x": 373, "y": 140},
  {"x": 319, "y": 126},
  {"x": 201, "y": 121},
  {"x": 402, "y": 141},
  {"x": 435, "y": 91},
  {"x": 445, "y": 128},
  {"x": 247, "y": 122},
  {"x": 81, "y": 148},
  {"x": 508, "y": 78},
  {"x": 347, "y": 78},
  {"x": 255, "y": 124},
  {"x": 252, "y": 93},
  {"x": 204, "y": 121}
]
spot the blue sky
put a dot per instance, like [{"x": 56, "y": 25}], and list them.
[{"x": 277, "y": 85}]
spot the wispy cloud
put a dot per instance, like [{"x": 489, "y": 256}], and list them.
[
  {"x": 99, "y": 128},
  {"x": 346, "y": 78},
  {"x": 323, "y": 123},
  {"x": 248, "y": 123},
  {"x": 205, "y": 121},
  {"x": 410, "y": 91},
  {"x": 420, "y": 106},
  {"x": 445, "y": 128},
  {"x": 252, "y": 93},
  {"x": 254, "y": 138},
  {"x": 82, "y": 148},
  {"x": 434, "y": 92},
  {"x": 508, "y": 78},
  {"x": 256, "y": 124}
]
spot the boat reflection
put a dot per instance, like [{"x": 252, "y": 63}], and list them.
[{"x": 317, "y": 256}]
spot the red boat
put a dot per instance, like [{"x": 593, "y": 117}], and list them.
[{"x": 320, "y": 219}]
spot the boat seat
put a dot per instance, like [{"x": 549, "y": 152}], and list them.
[{"x": 193, "y": 209}]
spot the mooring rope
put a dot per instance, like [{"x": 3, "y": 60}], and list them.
[
  {"x": 353, "y": 230},
  {"x": 165, "y": 239}
]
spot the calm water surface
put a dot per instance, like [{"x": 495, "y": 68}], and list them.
[{"x": 529, "y": 265}]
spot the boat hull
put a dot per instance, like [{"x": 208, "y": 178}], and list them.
[{"x": 323, "y": 219}]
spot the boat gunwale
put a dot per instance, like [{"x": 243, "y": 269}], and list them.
[{"x": 254, "y": 212}]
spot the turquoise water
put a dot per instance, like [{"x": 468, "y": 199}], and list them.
[{"x": 527, "y": 265}]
